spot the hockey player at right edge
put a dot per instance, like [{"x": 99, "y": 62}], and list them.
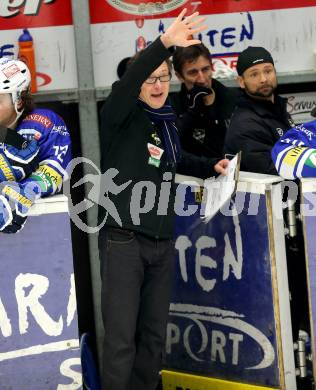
[{"x": 294, "y": 155}]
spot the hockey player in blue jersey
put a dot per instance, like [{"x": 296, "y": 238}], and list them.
[
  {"x": 294, "y": 155},
  {"x": 39, "y": 169}
]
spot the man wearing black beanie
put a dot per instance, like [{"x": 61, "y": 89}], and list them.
[
  {"x": 260, "y": 117},
  {"x": 259, "y": 120}
]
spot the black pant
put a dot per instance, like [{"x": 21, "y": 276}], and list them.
[{"x": 136, "y": 279}]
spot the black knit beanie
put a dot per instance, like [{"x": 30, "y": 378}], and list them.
[{"x": 252, "y": 56}]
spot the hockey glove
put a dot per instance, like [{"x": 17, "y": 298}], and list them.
[
  {"x": 15, "y": 202},
  {"x": 16, "y": 164},
  {"x": 16, "y": 224}
]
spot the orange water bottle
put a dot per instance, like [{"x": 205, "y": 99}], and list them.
[{"x": 26, "y": 54}]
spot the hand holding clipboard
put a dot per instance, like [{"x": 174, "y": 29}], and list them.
[{"x": 220, "y": 190}]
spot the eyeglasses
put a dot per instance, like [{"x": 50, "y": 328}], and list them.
[{"x": 163, "y": 79}]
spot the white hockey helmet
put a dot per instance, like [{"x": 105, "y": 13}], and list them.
[{"x": 15, "y": 77}]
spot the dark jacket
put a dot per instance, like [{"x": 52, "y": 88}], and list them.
[
  {"x": 202, "y": 131},
  {"x": 125, "y": 132},
  {"x": 254, "y": 128}
]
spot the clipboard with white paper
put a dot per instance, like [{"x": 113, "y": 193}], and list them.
[{"x": 220, "y": 190}]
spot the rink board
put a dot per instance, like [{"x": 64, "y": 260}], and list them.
[{"x": 39, "y": 346}]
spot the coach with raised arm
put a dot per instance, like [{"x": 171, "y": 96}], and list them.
[{"x": 140, "y": 142}]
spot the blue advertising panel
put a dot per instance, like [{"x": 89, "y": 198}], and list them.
[
  {"x": 221, "y": 320},
  {"x": 39, "y": 346}
]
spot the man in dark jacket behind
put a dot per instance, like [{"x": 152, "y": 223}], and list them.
[
  {"x": 260, "y": 118},
  {"x": 258, "y": 122},
  {"x": 203, "y": 105}
]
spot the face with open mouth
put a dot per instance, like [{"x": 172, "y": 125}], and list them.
[{"x": 155, "y": 89}]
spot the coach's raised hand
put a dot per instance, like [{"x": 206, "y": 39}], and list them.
[{"x": 180, "y": 32}]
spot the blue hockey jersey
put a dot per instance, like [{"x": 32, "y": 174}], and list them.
[
  {"x": 294, "y": 155},
  {"x": 54, "y": 143}
]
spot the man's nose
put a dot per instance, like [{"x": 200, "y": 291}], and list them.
[
  {"x": 157, "y": 83},
  {"x": 263, "y": 77},
  {"x": 200, "y": 77}
]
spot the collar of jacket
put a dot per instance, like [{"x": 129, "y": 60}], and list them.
[{"x": 264, "y": 108}]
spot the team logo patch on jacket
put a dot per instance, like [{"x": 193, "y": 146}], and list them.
[{"x": 155, "y": 154}]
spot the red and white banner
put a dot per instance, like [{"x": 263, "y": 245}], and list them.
[
  {"x": 34, "y": 13},
  {"x": 50, "y": 24},
  {"x": 106, "y": 11}
]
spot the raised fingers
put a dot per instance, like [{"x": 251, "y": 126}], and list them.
[
  {"x": 196, "y": 22},
  {"x": 181, "y": 15},
  {"x": 199, "y": 29},
  {"x": 188, "y": 19},
  {"x": 191, "y": 42}
]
